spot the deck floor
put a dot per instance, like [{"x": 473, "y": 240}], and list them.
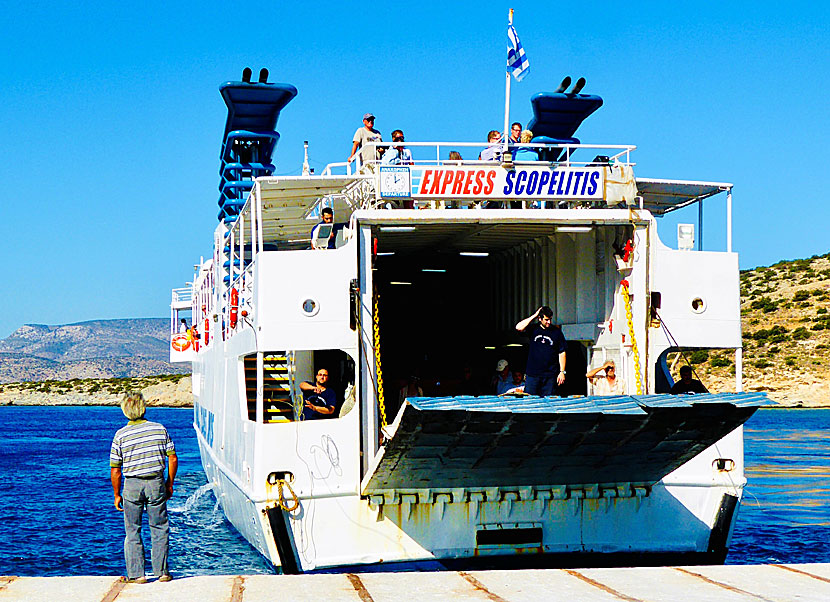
[{"x": 773, "y": 582}]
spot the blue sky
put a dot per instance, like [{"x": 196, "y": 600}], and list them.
[{"x": 111, "y": 119}]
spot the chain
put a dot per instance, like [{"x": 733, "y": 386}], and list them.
[
  {"x": 629, "y": 317},
  {"x": 381, "y": 405}
]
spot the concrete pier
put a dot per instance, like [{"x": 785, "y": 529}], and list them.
[{"x": 775, "y": 582}]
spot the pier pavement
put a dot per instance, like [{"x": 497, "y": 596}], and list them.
[{"x": 738, "y": 583}]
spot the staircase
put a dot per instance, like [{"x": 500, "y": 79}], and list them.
[{"x": 276, "y": 389}]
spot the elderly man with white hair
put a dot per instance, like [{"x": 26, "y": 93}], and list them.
[{"x": 140, "y": 450}]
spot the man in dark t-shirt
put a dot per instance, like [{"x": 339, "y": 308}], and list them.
[
  {"x": 687, "y": 384},
  {"x": 546, "y": 355},
  {"x": 319, "y": 401}
]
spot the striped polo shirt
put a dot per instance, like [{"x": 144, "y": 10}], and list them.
[{"x": 140, "y": 447}]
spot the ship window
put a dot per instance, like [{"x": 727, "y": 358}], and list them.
[{"x": 698, "y": 305}]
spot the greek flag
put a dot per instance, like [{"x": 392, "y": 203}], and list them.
[{"x": 516, "y": 60}]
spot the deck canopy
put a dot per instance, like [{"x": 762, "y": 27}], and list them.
[{"x": 662, "y": 196}]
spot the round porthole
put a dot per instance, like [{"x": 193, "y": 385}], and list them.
[
  {"x": 310, "y": 307},
  {"x": 698, "y": 305}
]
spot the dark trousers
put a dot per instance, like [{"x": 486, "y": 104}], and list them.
[{"x": 543, "y": 386}]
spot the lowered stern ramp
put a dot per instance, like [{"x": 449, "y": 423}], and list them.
[{"x": 491, "y": 442}]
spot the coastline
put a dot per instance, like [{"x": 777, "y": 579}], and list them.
[{"x": 163, "y": 394}]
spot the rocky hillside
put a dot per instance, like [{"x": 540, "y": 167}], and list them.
[
  {"x": 96, "y": 349},
  {"x": 785, "y": 311}
]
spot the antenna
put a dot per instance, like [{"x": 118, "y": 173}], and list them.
[
  {"x": 580, "y": 83},
  {"x": 565, "y": 83},
  {"x": 306, "y": 170},
  {"x": 246, "y": 75}
]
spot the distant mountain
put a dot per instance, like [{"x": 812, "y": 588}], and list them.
[{"x": 96, "y": 349}]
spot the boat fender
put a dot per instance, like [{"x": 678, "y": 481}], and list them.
[
  {"x": 629, "y": 247},
  {"x": 207, "y": 331},
  {"x": 234, "y": 317}
]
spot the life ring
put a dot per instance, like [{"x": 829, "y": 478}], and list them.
[
  {"x": 180, "y": 342},
  {"x": 207, "y": 331},
  {"x": 234, "y": 317}
]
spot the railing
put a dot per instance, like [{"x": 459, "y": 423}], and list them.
[
  {"x": 618, "y": 154},
  {"x": 182, "y": 295}
]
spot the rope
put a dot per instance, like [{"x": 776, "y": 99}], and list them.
[
  {"x": 629, "y": 317},
  {"x": 281, "y": 496},
  {"x": 381, "y": 405}
]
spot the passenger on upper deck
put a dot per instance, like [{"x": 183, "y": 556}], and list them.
[
  {"x": 183, "y": 327},
  {"x": 524, "y": 153},
  {"x": 546, "y": 355},
  {"x": 319, "y": 401},
  {"x": 515, "y": 132},
  {"x": 607, "y": 383},
  {"x": 397, "y": 155},
  {"x": 492, "y": 152},
  {"x": 687, "y": 384},
  {"x": 319, "y": 238},
  {"x": 363, "y": 136}
]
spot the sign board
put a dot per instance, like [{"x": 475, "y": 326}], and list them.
[
  {"x": 395, "y": 182},
  {"x": 474, "y": 182}
]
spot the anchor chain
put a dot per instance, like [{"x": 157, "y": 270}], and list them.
[{"x": 634, "y": 350}]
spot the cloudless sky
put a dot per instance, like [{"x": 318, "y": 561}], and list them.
[{"x": 111, "y": 119}]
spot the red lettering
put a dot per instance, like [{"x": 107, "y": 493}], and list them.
[
  {"x": 458, "y": 182},
  {"x": 491, "y": 175},
  {"x": 436, "y": 182},
  {"x": 467, "y": 181},
  {"x": 479, "y": 181},
  {"x": 447, "y": 180},
  {"x": 424, "y": 181}
]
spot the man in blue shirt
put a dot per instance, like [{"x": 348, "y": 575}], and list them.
[
  {"x": 319, "y": 401},
  {"x": 546, "y": 355},
  {"x": 397, "y": 155}
]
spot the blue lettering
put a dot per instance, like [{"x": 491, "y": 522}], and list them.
[
  {"x": 508, "y": 182},
  {"x": 559, "y": 190},
  {"x": 554, "y": 178},
  {"x": 568, "y": 185},
  {"x": 520, "y": 182},
  {"x": 592, "y": 189},
  {"x": 584, "y": 184},
  {"x": 543, "y": 181},
  {"x": 532, "y": 180},
  {"x": 577, "y": 177}
]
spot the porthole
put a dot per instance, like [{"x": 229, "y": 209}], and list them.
[
  {"x": 310, "y": 307},
  {"x": 698, "y": 305}
]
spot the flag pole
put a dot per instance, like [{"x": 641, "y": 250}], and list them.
[{"x": 507, "y": 94}]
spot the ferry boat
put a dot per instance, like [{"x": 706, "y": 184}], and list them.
[{"x": 425, "y": 272}]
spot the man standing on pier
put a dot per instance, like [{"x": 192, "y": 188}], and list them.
[{"x": 139, "y": 451}]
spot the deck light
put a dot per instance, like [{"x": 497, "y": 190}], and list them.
[
  {"x": 574, "y": 229},
  {"x": 473, "y": 254}
]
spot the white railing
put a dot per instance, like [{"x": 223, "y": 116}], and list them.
[
  {"x": 618, "y": 154},
  {"x": 182, "y": 295}
]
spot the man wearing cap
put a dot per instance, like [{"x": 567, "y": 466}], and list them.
[
  {"x": 501, "y": 380},
  {"x": 363, "y": 136},
  {"x": 546, "y": 355}
]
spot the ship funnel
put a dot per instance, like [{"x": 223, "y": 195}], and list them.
[
  {"x": 246, "y": 75},
  {"x": 580, "y": 83},
  {"x": 565, "y": 83},
  {"x": 263, "y": 76}
]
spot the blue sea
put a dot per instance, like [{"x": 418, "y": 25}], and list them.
[{"x": 57, "y": 517}]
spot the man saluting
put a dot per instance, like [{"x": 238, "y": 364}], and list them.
[{"x": 546, "y": 356}]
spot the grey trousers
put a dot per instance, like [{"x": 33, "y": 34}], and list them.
[{"x": 151, "y": 494}]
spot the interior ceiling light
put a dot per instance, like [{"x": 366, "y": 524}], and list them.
[
  {"x": 575, "y": 229},
  {"x": 436, "y": 270},
  {"x": 397, "y": 228},
  {"x": 386, "y": 254},
  {"x": 490, "y": 348},
  {"x": 513, "y": 345},
  {"x": 473, "y": 254},
  {"x": 405, "y": 283}
]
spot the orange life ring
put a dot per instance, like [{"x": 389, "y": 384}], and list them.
[
  {"x": 180, "y": 342},
  {"x": 234, "y": 308}
]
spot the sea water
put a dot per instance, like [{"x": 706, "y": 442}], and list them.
[{"x": 57, "y": 515}]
